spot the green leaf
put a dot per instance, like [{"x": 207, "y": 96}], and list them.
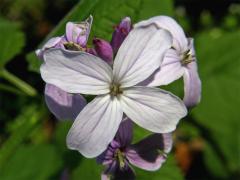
[
  {"x": 32, "y": 162},
  {"x": 24, "y": 124},
  {"x": 219, "y": 64},
  {"x": 87, "y": 169},
  {"x": 168, "y": 171},
  {"x": 213, "y": 162},
  {"x": 12, "y": 41},
  {"x": 107, "y": 14}
]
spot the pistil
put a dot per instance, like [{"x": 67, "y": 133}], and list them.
[{"x": 187, "y": 57}]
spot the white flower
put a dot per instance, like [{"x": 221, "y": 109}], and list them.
[
  {"x": 179, "y": 61},
  {"x": 138, "y": 57}
]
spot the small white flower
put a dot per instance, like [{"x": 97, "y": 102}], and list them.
[
  {"x": 138, "y": 57},
  {"x": 179, "y": 61}
]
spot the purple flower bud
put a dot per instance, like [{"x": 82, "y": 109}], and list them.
[
  {"x": 120, "y": 33},
  {"x": 91, "y": 51},
  {"x": 103, "y": 49}
]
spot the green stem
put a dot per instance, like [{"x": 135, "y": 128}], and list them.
[
  {"x": 10, "y": 89},
  {"x": 23, "y": 86}
]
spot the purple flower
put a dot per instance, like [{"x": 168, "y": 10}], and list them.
[
  {"x": 62, "y": 104},
  {"x": 106, "y": 50},
  {"x": 103, "y": 49},
  {"x": 179, "y": 61},
  {"x": 147, "y": 154},
  {"x": 120, "y": 33}
]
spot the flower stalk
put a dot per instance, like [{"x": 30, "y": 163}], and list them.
[{"x": 20, "y": 84}]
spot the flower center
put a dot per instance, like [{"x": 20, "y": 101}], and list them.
[
  {"x": 120, "y": 156},
  {"x": 115, "y": 89},
  {"x": 73, "y": 46},
  {"x": 187, "y": 57}
]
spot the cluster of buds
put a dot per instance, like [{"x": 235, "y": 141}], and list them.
[{"x": 124, "y": 74}]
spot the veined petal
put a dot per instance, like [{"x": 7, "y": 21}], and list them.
[
  {"x": 125, "y": 132},
  {"x": 149, "y": 153},
  {"x": 62, "y": 104},
  {"x": 140, "y": 54},
  {"x": 95, "y": 126},
  {"x": 192, "y": 85},
  {"x": 51, "y": 43},
  {"x": 170, "y": 70},
  {"x": 179, "y": 38},
  {"x": 153, "y": 109},
  {"x": 76, "y": 72}
]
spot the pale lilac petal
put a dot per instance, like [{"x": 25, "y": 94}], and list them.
[
  {"x": 170, "y": 70},
  {"x": 140, "y": 55},
  {"x": 135, "y": 159},
  {"x": 79, "y": 32},
  {"x": 76, "y": 72},
  {"x": 168, "y": 142},
  {"x": 51, "y": 43},
  {"x": 95, "y": 126},
  {"x": 146, "y": 154},
  {"x": 180, "y": 42},
  {"x": 103, "y": 49},
  {"x": 153, "y": 109},
  {"x": 120, "y": 33},
  {"x": 105, "y": 177},
  {"x": 192, "y": 85},
  {"x": 125, "y": 132},
  {"x": 62, "y": 104}
]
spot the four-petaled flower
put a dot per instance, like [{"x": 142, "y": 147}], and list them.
[
  {"x": 179, "y": 61},
  {"x": 147, "y": 154},
  {"x": 139, "y": 56}
]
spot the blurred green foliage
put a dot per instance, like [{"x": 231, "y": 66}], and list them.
[{"x": 32, "y": 143}]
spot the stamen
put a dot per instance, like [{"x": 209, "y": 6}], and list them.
[
  {"x": 187, "y": 57},
  {"x": 73, "y": 46},
  {"x": 120, "y": 157},
  {"x": 115, "y": 89}
]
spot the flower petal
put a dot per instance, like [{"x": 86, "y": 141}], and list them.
[
  {"x": 51, "y": 43},
  {"x": 180, "y": 42},
  {"x": 62, "y": 104},
  {"x": 140, "y": 55},
  {"x": 170, "y": 70},
  {"x": 79, "y": 32},
  {"x": 146, "y": 154},
  {"x": 153, "y": 109},
  {"x": 125, "y": 132},
  {"x": 135, "y": 159},
  {"x": 125, "y": 173},
  {"x": 192, "y": 85},
  {"x": 105, "y": 177},
  {"x": 168, "y": 142},
  {"x": 76, "y": 72},
  {"x": 95, "y": 126}
]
